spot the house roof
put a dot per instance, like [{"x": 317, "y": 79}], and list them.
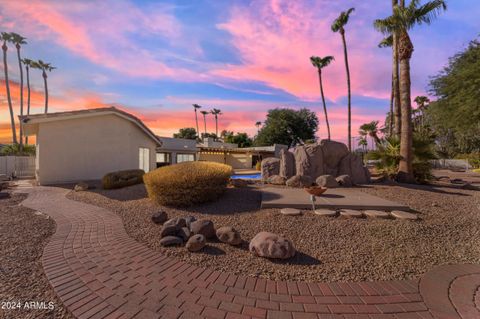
[{"x": 49, "y": 117}]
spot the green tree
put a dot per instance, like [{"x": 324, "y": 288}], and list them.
[
  {"x": 287, "y": 126},
  {"x": 15, "y": 150},
  {"x": 6, "y": 37},
  {"x": 370, "y": 129},
  {"x": 339, "y": 26},
  {"x": 455, "y": 116},
  {"x": 188, "y": 133},
  {"x": 45, "y": 67},
  {"x": 404, "y": 18},
  {"x": 258, "y": 124},
  {"x": 216, "y": 113},
  {"x": 241, "y": 139},
  {"x": 196, "y": 107},
  {"x": 321, "y": 63}
]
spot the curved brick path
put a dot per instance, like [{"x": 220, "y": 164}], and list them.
[{"x": 98, "y": 271}]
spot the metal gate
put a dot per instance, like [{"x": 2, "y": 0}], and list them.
[{"x": 17, "y": 166}]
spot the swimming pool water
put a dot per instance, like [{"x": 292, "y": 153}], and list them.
[{"x": 247, "y": 176}]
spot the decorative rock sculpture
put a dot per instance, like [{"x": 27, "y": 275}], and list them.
[
  {"x": 270, "y": 166},
  {"x": 287, "y": 164},
  {"x": 270, "y": 245}
]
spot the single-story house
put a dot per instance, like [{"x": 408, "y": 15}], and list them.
[
  {"x": 231, "y": 154},
  {"x": 87, "y": 144},
  {"x": 176, "y": 150}
]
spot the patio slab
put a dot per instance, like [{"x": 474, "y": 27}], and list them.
[{"x": 333, "y": 198}]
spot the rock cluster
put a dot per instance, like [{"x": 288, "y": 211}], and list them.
[{"x": 307, "y": 163}]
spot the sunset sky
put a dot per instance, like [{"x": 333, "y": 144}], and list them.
[{"x": 156, "y": 58}]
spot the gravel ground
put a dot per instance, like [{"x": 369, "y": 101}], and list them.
[
  {"x": 23, "y": 235},
  {"x": 329, "y": 249}
]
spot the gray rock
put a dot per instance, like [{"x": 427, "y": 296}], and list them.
[
  {"x": 276, "y": 180},
  {"x": 189, "y": 220},
  {"x": 299, "y": 181},
  {"x": 184, "y": 233},
  {"x": 269, "y": 167},
  {"x": 196, "y": 243},
  {"x": 168, "y": 230},
  {"x": 171, "y": 241},
  {"x": 327, "y": 181},
  {"x": 270, "y": 245},
  {"x": 309, "y": 160},
  {"x": 333, "y": 153},
  {"x": 352, "y": 165},
  {"x": 204, "y": 227},
  {"x": 287, "y": 164},
  {"x": 159, "y": 217},
  {"x": 229, "y": 236},
  {"x": 178, "y": 222},
  {"x": 80, "y": 187},
  {"x": 344, "y": 181}
]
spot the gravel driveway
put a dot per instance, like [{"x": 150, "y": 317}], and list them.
[{"x": 329, "y": 249}]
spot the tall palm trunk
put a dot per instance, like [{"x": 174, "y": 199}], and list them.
[
  {"x": 397, "y": 115},
  {"x": 323, "y": 101},
  {"x": 21, "y": 93},
  {"x": 405, "y": 168},
  {"x": 205, "y": 124},
  {"x": 216, "y": 125},
  {"x": 390, "y": 119},
  {"x": 28, "y": 96},
  {"x": 196, "y": 122},
  {"x": 44, "y": 74},
  {"x": 9, "y": 98},
  {"x": 345, "y": 53}
]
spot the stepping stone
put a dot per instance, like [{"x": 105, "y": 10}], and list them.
[
  {"x": 290, "y": 211},
  {"x": 326, "y": 212},
  {"x": 376, "y": 214},
  {"x": 350, "y": 213},
  {"x": 398, "y": 214}
]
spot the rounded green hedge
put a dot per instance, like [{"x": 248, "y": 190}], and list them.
[{"x": 187, "y": 183}]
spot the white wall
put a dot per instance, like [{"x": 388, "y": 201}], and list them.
[{"x": 88, "y": 148}]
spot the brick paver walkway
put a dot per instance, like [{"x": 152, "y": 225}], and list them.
[{"x": 98, "y": 271}]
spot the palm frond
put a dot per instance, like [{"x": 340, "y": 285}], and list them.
[
  {"x": 428, "y": 12},
  {"x": 386, "y": 42}
]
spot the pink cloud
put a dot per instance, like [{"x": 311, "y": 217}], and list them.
[{"x": 91, "y": 30}]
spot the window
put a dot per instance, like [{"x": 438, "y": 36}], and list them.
[
  {"x": 185, "y": 158},
  {"x": 144, "y": 158},
  {"x": 163, "y": 157}
]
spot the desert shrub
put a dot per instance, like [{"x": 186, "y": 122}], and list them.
[
  {"x": 121, "y": 179},
  {"x": 473, "y": 159},
  {"x": 388, "y": 158},
  {"x": 187, "y": 183}
]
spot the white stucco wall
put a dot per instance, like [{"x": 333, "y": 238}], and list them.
[{"x": 88, "y": 148}]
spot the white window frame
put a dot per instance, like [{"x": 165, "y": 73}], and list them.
[
  {"x": 144, "y": 158},
  {"x": 180, "y": 155}
]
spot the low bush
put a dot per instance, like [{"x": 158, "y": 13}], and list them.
[
  {"x": 187, "y": 183},
  {"x": 121, "y": 179}
]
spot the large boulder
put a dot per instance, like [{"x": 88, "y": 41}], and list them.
[
  {"x": 270, "y": 166},
  {"x": 299, "y": 181},
  {"x": 287, "y": 164},
  {"x": 327, "y": 181},
  {"x": 229, "y": 235},
  {"x": 352, "y": 165},
  {"x": 333, "y": 153},
  {"x": 309, "y": 160},
  {"x": 270, "y": 245},
  {"x": 276, "y": 180},
  {"x": 203, "y": 227}
]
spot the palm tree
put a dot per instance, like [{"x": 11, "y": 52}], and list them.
[
  {"x": 362, "y": 141},
  {"x": 216, "y": 113},
  {"x": 44, "y": 67},
  {"x": 387, "y": 43},
  {"x": 321, "y": 63},
  {"x": 195, "y": 107},
  {"x": 370, "y": 129},
  {"x": 258, "y": 124},
  {"x": 204, "y": 120},
  {"x": 403, "y": 19},
  {"x": 6, "y": 37},
  {"x": 28, "y": 64},
  {"x": 422, "y": 103},
  {"x": 18, "y": 40},
  {"x": 339, "y": 26}
]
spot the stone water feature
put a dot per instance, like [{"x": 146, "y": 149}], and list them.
[{"x": 327, "y": 163}]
